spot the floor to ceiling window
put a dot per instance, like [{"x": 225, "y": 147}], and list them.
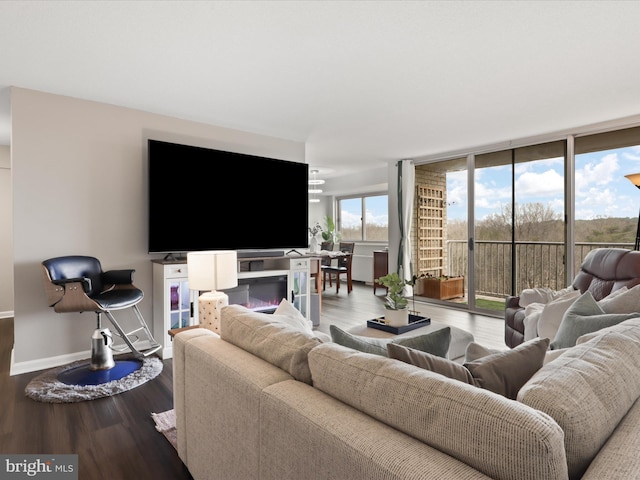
[{"x": 606, "y": 203}]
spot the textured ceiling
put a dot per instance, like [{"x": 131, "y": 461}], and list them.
[{"x": 362, "y": 83}]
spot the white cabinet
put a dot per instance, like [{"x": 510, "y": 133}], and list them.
[
  {"x": 299, "y": 285},
  {"x": 174, "y": 305}
]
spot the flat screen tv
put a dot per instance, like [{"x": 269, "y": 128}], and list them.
[{"x": 205, "y": 199}]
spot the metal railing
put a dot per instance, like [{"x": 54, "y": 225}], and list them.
[{"x": 538, "y": 264}]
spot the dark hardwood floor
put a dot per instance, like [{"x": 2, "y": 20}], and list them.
[{"x": 115, "y": 437}]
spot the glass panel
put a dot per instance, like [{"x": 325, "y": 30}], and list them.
[
  {"x": 539, "y": 216},
  {"x": 351, "y": 219},
  {"x": 606, "y": 211},
  {"x": 175, "y": 320},
  {"x": 377, "y": 218},
  {"x": 440, "y": 227},
  {"x": 492, "y": 211}
]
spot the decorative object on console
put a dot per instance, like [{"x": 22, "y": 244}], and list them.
[
  {"x": 212, "y": 270},
  {"x": 635, "y": 179},
  {"x": 313, "y": 243}
]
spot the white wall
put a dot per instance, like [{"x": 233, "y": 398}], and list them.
[
  {"x": 79, "y": 187},
  {"x": 6, "y": 235}
]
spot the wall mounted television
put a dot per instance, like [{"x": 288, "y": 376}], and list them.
[{"x": 205, "y": 199}]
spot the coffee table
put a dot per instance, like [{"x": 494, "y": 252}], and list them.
[{"x": 457, "y": 348}]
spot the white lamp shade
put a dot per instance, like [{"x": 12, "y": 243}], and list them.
[{"x": 212, "y": 270}]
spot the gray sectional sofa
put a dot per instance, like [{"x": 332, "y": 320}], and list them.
[{"x": 266, "y": 400}]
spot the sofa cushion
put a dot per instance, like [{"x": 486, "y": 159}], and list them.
[
  {"x": 269, "y": 338},
  {"x": 584, "y": 316},
  {"x": 499, "y": 437},
  {"x": 436, "y": 342},
  {"x": 588, "y": 390},
  {"x": 503, "y": 373}
]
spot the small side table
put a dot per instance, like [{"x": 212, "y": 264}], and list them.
[
  {"x": 174, "y": 331},
  {"x": 380, "y": 267}
]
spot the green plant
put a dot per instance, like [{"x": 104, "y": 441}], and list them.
[
  {"x": 329, "y": 233},
  {"x": 395, "y": 299}
]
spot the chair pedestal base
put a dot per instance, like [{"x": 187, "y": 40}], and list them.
[{"x": 101, "y": 353}]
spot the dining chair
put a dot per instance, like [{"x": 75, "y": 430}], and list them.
[{"x": 342, "y": 267}]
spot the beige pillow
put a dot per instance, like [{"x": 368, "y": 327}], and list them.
[
  {"x": 503, "y": 373},
  {"x": 288, "y": 313},
  {"x": 552, "y": 314}
]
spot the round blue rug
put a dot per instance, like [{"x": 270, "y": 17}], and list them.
[{"x": 61, "y": 384}]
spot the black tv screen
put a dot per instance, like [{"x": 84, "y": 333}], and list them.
[{"x": 205, "y": 199}]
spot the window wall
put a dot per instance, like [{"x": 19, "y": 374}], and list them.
[{"x": 516, "y": 215}]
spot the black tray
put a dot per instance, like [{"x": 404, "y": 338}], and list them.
[{"x": 415, "y": 321}]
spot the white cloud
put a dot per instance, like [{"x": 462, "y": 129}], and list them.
[
  {"x": 597, "y": 173},
  {"x": 545, "y": 184}
]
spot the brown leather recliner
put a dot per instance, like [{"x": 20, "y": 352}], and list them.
[{"x": 604, "y": 270}]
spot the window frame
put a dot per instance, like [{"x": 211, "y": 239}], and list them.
[{"x": 363, "y": 218}]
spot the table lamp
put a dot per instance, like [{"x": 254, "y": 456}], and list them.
[
  {"x": 635, "y": 179},
  {"x": 212, "y": 270}
]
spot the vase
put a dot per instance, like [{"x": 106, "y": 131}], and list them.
[
  {"x": 313, "y": 245},
  {"x": 397, "y": 318}
]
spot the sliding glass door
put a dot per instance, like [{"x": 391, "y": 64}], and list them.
[{"x": 510, "y": 236}]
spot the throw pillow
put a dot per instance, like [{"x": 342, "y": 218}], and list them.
[
  {"x": 436, "y": 342},
  {"x": 503, "y": 373},
  {"x": 535, "y": 295},
  {"x": 288, "y": 313},
  {"x": 532, "y": 314},
  {"x": 626, "y": 301},
  {"x": 475, "y": 351},
  {"x": 506, "y": 372},
  {"x": 584, "y": 316},
  {"x": 553, "y": 312}
]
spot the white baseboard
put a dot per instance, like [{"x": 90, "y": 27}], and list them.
[
  {"x": 45, "y": 363},
  {"x": 7, "y": 314},
  {"x": 51, "y": 362}
]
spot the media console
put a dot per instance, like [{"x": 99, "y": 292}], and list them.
[{"x": 176, "y": 306}]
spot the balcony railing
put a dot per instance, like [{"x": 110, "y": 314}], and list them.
[{"x": 538, "y": 264}]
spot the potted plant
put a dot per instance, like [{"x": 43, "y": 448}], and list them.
[
  {"x": 329, "y": 233},
  {"x": 396, "y": 304}
]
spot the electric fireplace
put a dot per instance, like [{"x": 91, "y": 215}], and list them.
[{"x": 261, "y": 294}]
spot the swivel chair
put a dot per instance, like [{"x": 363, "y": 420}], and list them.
[{"x": 78, "y": 284}]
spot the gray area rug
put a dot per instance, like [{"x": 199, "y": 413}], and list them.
[
  {"x": 166, "y": 425},
  {"x": 47, "y": 388}
]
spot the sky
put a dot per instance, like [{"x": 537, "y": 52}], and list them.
[
  {"x": 376, "y": 208},
  {"x": 601, "y": 188}
]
